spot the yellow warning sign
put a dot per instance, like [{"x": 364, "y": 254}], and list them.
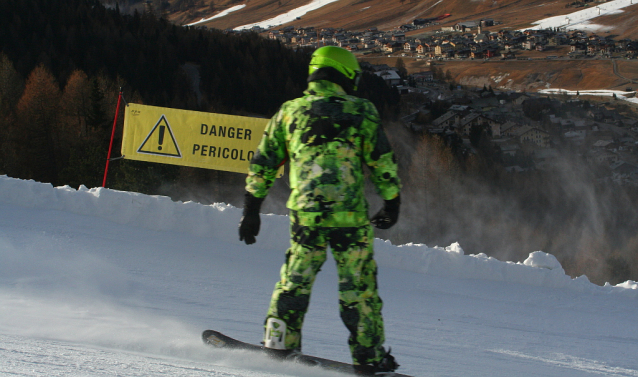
[
  {"x": 160, "y": 140},
  {"x": 191, "y": 138}
]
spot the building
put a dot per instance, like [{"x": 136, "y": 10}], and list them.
[
  {"x": 478, "y": 119},
  {"x": 390, "y": 77},
  {"x": 527, "y": 134},
  {"x": 466, "y": 25},
  {"x": 423, "y": 77}
]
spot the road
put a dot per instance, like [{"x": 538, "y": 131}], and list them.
[{"x": 629, "y": 81}]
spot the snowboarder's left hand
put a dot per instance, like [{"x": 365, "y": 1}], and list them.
[{"x": 249, "y": 228}]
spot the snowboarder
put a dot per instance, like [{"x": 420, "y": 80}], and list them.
[{"x": 327, "y": 135}]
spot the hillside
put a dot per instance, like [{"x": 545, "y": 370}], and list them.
[
  {"x": 389, "y": 14},
  {"x": 509, "y": 14}
]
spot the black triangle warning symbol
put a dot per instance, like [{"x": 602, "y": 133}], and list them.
[{"x": 160, "y": 140}]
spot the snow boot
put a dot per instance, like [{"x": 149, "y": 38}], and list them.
[
  {"x": 282, "y": 354},
  {"x": 386, "y": 366}
]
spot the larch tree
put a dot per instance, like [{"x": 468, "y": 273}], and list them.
[
  {"x": 36, "y": 127},
  {"x": 76, "y": 105}
]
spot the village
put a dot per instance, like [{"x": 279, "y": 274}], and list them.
[
  {"x": 526, "y": 131},
  {"x": 463, "y": 40},
  {"x": 603, "y": 136},
  {"x": 525, "y": 139}
]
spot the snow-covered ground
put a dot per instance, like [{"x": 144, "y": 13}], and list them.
[
  {"x": 581, "y": 19},
  {"x": 218, "y": 15},
  {"x": 289, "y": 16},
  {"x": 620, "y": 95},
  {"x": 101, "y": 282}
]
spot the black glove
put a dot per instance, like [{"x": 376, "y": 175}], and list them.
[
  {"x": 388, "y": 215},
  {"x": 250, "y": 222}
]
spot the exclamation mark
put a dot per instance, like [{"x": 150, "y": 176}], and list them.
[{"x": 161, "y": 137}]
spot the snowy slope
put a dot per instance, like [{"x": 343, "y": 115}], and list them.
[
  {"x": 582, "y": 19},
  {"x": 218, "y": 15},
  {"x": 621, "y": 95},
  {"x": 100, "y": 283},
  {"x": 288, "y": 16}
]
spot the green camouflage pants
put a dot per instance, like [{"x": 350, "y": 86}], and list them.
[{"x": 360, "y": 305}]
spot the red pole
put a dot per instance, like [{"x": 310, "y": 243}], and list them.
[{"x": 108, "y": 158}]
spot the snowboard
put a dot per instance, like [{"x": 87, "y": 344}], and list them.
[{"x": 219, "y": 340}]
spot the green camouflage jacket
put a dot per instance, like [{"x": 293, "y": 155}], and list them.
[{"x": 328, "y": 136}]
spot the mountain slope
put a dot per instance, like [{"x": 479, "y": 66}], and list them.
[
  {"x": 389, "y": 14},
  {"x": 101, "y": 282}
]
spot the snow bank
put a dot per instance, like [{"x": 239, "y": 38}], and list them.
[
  {"x": 153, "y": 212},
  {"x": 220, "y": 221},
  {"x": 539, "y": 269}
]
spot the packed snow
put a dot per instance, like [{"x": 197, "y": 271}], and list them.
[
  {"x": 218, "y": 15},
  {"x": 581, "y": 20},
  {"x": 99, "y": 282},
  {"x": 288, "y": 16},
  {"x": 629, "y": 96}
]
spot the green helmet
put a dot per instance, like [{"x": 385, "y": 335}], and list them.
[{"x": 338, "y": 58}]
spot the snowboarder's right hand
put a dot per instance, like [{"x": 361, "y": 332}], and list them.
[
  {"x": 388, "y": 215},
  {"x": 250, "y": 221}
]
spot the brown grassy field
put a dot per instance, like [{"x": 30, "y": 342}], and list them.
[
  {"x": 530, "y": 75},
  {"x": 628, "y": 68}
]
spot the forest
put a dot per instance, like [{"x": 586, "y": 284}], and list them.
[{"x": 64, "y": 62}]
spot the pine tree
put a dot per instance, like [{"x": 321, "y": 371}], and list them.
[
  {"x": 96, "y": 116},
  {"x": 448, "y": 76},
  {"x": 11, "y": 85},
  {"x": 400, "y": 65}
]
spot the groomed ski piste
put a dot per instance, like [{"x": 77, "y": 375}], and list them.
[
  {"x": 582, "y": 19},
  {"x": 219, "y": 15},
  {"x": 289, "y": 16},
  {"x": 619, "y": 94},
  {"x": 99, "y": 282}
]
